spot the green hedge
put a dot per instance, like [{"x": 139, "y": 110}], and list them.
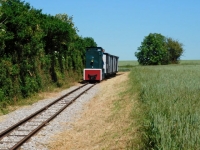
[{"x": 37, "y": 50}]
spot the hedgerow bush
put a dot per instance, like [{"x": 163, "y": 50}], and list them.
[{"x": 36, "y": 50}]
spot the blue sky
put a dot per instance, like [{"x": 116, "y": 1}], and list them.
[{"x": 119, "y": 26}]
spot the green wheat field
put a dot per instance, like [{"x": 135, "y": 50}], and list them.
[{"x": 170, "y": 95}]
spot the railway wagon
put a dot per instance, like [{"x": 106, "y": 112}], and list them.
[{"x": 99, "y": 65}]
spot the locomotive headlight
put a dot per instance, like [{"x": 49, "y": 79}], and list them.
[{"x": 92, "y": 61}]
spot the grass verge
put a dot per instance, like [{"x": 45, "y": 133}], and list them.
[{"x": 108, "y": 122}]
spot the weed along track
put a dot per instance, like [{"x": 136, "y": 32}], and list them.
[{"x": 13, "y": 137}]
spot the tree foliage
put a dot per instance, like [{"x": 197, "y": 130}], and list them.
[
  {"x": 175, "y": 50},
  {"x": 156, "y": 49},
  {"x": 37, "y": 49},
  {"x": 153, "y": 50}
]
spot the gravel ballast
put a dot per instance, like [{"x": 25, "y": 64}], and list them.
[{"x": 60, "y": 123}]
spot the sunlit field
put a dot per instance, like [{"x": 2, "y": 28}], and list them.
[
  {"x": 190, "y": 62},
  {"x": 126, "y": 65},
  {"x": 170, "y": 96}
]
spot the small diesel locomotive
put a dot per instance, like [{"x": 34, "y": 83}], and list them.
[{"x": 99, "y": 65}]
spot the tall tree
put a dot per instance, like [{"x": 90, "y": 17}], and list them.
[{"x": 153, "y": 50}]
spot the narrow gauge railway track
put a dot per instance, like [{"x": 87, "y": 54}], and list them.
[{"x": 13, "y": 137}]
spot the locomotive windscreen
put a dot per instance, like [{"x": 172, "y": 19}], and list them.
[{"x": 94, "y": 57}]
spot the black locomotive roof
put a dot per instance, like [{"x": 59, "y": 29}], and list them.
[
  {"x": 101, "y": 49},
  {"x": 94, "y": 47}
]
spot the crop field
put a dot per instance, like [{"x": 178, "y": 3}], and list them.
[
  {"x": 130, "y": 63},
  {"x": 126, "y": 65},
  {"x": 190, "y": 62},
  {"x": 170, "y": 98}
]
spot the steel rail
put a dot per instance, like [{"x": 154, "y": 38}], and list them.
[
  {"x": 48, "y": 120},
  {"x": 7, "y": 131}
]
